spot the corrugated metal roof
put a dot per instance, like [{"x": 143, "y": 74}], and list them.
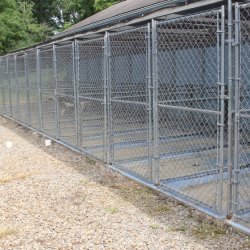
[{"x": 115, "y": 10}]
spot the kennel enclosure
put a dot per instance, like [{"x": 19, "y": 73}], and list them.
[{"x": 166, "y": 103}]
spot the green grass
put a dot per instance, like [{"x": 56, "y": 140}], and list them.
[
  {"x": 205, "y": 230},
  {"x": 154, "y": 226},
  {"x": 90, "y": 161},
  {"x": 112, "y": 210},
  {"x": 162, "y": 209},
  {"x": 181, "y": 228}
]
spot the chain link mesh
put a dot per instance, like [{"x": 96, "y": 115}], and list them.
[
  {"x": 188, "y": 103},
  {"x": 91, "y": 97},
  {"x": 150, "y": 101},
  {"x": 33, "y": 90},
  {"x": 13, "y": 87},
  {"x": 129, "y": 101},
  {"x": 22, "y": 88},
  {"x": 65, "y": 77},
  {"x": 6, "y": 86},
  {"x": 48, "y": 97},
  {"x": 242, "y": 169},
  {"x": 2, "y": 84}
]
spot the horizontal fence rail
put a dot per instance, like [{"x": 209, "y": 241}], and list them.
[{"x": 166, "y": 103}]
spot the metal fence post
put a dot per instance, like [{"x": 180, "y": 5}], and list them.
[
  {"x": 10, "y": 97},
  {"x": 77, "y": 85},
  {"x": 230, "y": 109},
  {"x": 58, "y": 134},
  {"x": 110, "y": 155},
  {"x": 27, "y": 86},
  {"x": 106, "y": 133},
  {"x": 156, "y": 170},
  {"x": 221, "y": 124},
  {"x": 150, "y": 103},
  {"x": 2, "y": 84},
  {"x": 17, "y": 90},
  {"x": 75, "y": 82},
  {"x": 38, "y": 72},
  {"x": 237, "y": 110}
]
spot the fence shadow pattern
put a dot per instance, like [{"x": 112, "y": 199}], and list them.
[{"x": 153, "y": 102}]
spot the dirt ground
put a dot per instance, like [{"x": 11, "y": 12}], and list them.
[{"x": 53, "y": 198}]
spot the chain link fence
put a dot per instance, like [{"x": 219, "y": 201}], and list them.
[
  {"x": 156, "y": 102},
  {"x": 65, "y": 90},
  {"x": 90, "y": 94},
  {"x": 22, "y": 89},
  {"x": 189, "y": 107},
  {"x": 130, "y": 106},
  {"x": 48, "y": 100},
  {"x": 241, "y": 168},
  {"x": 33, "y": 89}
]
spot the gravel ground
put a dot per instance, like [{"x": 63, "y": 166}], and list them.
[{"x": 53, "y": 198}]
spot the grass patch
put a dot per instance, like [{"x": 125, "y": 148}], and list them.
[
  {"x": 83, "y": 182},
  {"x": 4, "y": 232},
  {"x": 162, "y": 209},
  {"x": 154, "y": 226},
  {"x": 181, "y": 229},
  {"x": 112, "y": 210},
  {"x": 90, "y": 161},
  {"x": 206, "y": 230},
  {"x": 18, "y": 176}
]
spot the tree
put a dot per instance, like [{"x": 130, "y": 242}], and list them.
[
  {"x": 44, "y": 12},
  {"x": 103, "y": 4},
  {"x": 17, "y": 26},
  {"x": 25, "y": 22},
  {"x": 58, "y": 13}
]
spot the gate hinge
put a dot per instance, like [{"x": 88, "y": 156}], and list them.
[
  {"x": 220, "y": 31},
  {"x": 221, "y": 84},
  {"x": 236, "y": 170},
  {"x": 234, "y": 181},
  {"x": 230, "y": 40},
  {"x": 235, "y": 44},
  {"x": 220, "y": 125},
  {"x": 224, "y": 97},
  {"x": 235, "y": 203}
]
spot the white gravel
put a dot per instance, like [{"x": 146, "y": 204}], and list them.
[{"x": 53, "y": 198}]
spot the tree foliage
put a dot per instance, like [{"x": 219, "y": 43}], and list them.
[
  {"x": 25, "y": 22},
  {"x": 18, "y": 27},
  {"x": 100, "y": 5}
]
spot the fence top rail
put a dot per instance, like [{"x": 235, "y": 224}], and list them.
[
  {"x": 244, "y": 6},
  {"x": 141, "y": 28},
  {"x": 31, "y": 53},
  {"x": 191, "y": 16},
  {"x": 61, "y": 46},
  {"x": 89, "y": 41},
  {"x": 20, "y": 55}
]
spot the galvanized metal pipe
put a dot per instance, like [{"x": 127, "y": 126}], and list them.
[
  {"x": 58, "y": 130},
  {"x": 230, "y": 108},
  {"x": 27, "y": 88},
  {"x": 10, "y": 96},
  {"x": 156, "y": 165},
  {"x": 17, "y": 89},
  {"x": 222, "y": 110},
  {"x": 105, "y": 101},
  {"x": 74, "y": 76},
  {"x": 38, "y": 73},
  {"x": 236, "y": 168}
]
